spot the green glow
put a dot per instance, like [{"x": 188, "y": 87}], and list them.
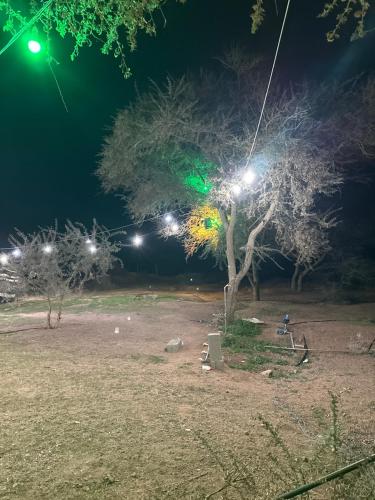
[
  {"x": 198, "y": 183},
  {"x": 34, "y": 46},
  {"x": 211, "y": 222},
  {"x": 197, "y": 178}
]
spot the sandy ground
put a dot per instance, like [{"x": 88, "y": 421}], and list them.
[{"x": 90, "y": 413}]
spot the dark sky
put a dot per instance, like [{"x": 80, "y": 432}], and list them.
[{"x": 48, "y": 157}]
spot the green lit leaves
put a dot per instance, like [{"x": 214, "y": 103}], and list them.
[
  {"x": 257, "y": 16},
  {"x": 344, "y": 12},
  {"x": 112, "y": 23}
]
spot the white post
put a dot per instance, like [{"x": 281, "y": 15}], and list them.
[
  {"x": 214, "y": 350},
  {"x": 225, "y": 306}
]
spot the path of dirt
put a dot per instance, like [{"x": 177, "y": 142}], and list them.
[{"x": 132, "y": 366}]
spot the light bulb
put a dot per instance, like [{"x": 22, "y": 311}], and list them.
[
  {"x": 16, "y": 253},
  {"x": 137, "y": 240},
  {"x": 47, "y": 249},
  {"x": 34, "y": 46},
  {"x": 249, "y": 177},
  {"x": 236, "y": 189},
  {"x": 4, "y": 259}
]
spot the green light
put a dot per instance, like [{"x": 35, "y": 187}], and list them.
[
  {"x": 211, "y": 223},
  {"x": 207, "y": 223},
  {"x": 198, "y": 183},
  {"x": 34, "y": 46}
]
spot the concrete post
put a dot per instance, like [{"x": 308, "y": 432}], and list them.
[{"x": 214, "y": 350}]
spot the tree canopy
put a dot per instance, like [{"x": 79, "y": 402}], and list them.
[
  {"x": 352, "y": 13},
  {"x": 111, "y": 24},
  {"x": 186, "y": 146}
]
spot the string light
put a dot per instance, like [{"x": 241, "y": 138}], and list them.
[
  {"x": 113, "y": 230},
  {"x": 4, "y": 259},
  {"x": 47, "y": 249},
  {"x": 137, "y": 240},
  {"x": 34, "y": 46},
  {"x": 16, "y": 253},
  {"x": 236, "y": 189},
  {"x": 249, "y": 177},
  {"x": 92, "y": 249},
  {"x": 168, "y": 218},
  {"x": 174, "y": 227}
]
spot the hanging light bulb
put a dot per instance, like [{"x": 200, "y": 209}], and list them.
[
  {"x": 168, "y": 218},
  {"x": 249, "y": 177},
  {"x": 16, "y": 253},
  {"x": 137, "y": 240},
  {"x": 34, "y": 46},
  {"x": 174, "y": 227},
  {"x": 4, "y": 259},
  {"x": 92, "y": 249},
  {"x": 47, "y": 249},
  {"x": 88, "y": 241},
  {"x": 236, "y": 189}
]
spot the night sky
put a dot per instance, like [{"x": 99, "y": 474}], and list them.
[{"x": 48, "y": 157}]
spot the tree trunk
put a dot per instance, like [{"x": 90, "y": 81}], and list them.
[
  {"x": 301, "y": 276},
  {"x": 231, "y": 300},
  {"x": 49, "y": 314},
  {"x": 231, "y": 294},
  {"x": 59, "y": 312},
  {"x": 235, "y": 277},
  {"x": 293, "y": 283},
  {"x": 255, "y": 279}
]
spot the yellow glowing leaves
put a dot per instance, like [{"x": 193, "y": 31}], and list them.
[{"x": 202, "y": 228}]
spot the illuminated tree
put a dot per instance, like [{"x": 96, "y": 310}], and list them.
[
  {"x": 52, "y": 264},
  {"x": 111, "y": 24},
  {"x": 202, "y": 230},
  {"x": 203, "y": 128},
  {"x": 344, "y": 12}
]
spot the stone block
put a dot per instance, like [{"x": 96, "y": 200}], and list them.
[{"x": 174, "y": 345}]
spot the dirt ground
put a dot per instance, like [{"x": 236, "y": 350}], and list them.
[{"x": 90, "y": 413}]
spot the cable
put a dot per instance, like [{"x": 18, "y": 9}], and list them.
[
  {"x": 58, "y": 86},
  {"x": 117, "y": 229},
  {"x": 269, "y": 84}
]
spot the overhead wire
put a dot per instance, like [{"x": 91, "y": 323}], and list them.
[
  {"x": 117, "y": 229},
  {"x": 269, "y": 84}
]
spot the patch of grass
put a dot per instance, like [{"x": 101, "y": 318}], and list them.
[
  {"x": 251, "y": 363},
  {"x": 77, "y": 304},
  {"x": 243, "y": 338},
  {"x": 156, "y": 359},
  {"x": 241, "y": 328}
]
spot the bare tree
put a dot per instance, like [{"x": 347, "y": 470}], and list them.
[
  {"x": 306, "y": 241},
  {"x": 188, "y": 144},
  {"x": 53, "y": 263}
]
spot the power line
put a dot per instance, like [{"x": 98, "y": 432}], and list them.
[{"x": 269, "y": 84}]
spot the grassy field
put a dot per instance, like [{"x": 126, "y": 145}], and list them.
[{"x": 90, "y": 414}]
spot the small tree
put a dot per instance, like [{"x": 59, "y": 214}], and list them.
[
  {"x": 306, "y": 241},
  {"x": 187, "y": 145},
  {"x": 52, "y": 264}
]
